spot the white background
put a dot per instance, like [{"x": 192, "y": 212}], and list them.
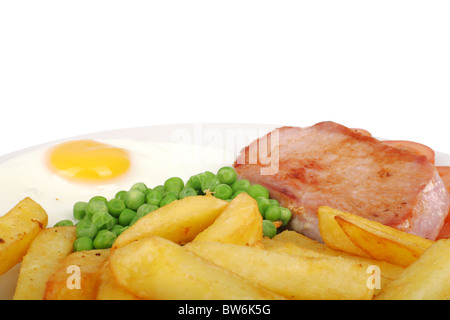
[{"x": 75, "y": 67}]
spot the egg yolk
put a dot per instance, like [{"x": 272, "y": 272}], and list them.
[{"x": 88, "y": 160}]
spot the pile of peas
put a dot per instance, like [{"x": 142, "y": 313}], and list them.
[{"x": 101, "y": 221}]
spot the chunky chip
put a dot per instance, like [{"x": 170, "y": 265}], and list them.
[
  {"x": 240, "y": 223},
  {"x": 156, "y": 268},
  {"x": 179, "y": 221},
  {"x": 18, "y": 228},
  {"x": 44, "y": 257}
]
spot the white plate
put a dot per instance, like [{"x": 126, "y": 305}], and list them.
[{"x": 200, "y": 140}]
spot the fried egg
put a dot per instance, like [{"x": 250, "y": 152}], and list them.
[{"x": 57, "y": 175}]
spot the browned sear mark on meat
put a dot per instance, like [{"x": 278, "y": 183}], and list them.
[{"x": 383, "y": 173}]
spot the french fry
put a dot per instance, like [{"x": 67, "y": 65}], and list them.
[
  {"x": 298, "y": 244},
  {"x": 179, "y": 221},
  {"x": 293, "y": 277},
  {"x": 240, "y": 223},
  {"x": 44, "y": 256},
  {"x": 304, "y": 242},
  {"x": 108, "y": 289},
  {"x": 156, "y": 268},
  {"x": 381, "y": 245},
  {"x": 77, "y": 277},
  {"x": 290, "y": 248},
  {"x": 333, "y": 235},
  {"x": 427, "y": 278},
  {"x": 18, "y": 228},
  {"x": 388, "y": 270},
  {"x": 376, "y": 240}
]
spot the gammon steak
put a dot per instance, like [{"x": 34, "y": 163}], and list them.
[{"x": 330, "y": 164}]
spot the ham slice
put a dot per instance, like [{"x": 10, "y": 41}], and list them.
[{"x": 330, "y": 164}]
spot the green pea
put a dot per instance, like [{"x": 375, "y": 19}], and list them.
[
  {"x": 285, "y": 216},
  {"x": 115, "y": 207},
  {"x": 154, "y": 201},
  {"x": 139, "y": 186},
  {"x": 159, "y": 188},
  {"x": 85, "y": 228},
  {"x": 194, "y": 182},
  {"x": 95, "y": 206},
  {"x": 79, "y": 210},
  {"x": 126, "y": 216},
  {"x": 104, "y": 239},
  {"x": 263, "y": 203},
  {"x": 145, "y": 209},
  {"x": 134, "y": 199},
  {"x": 99, "y": 198},
  {"x": 207, "y": 174},
  {"x": 209, "y": 183},
  {"x": 223, "y": 191},
  {"x": 168, "y": 198},
  {"x": 258, "y": 190},
  {"x": 274, "y": 202},
  {"x": 121, "y": 195},
  {"x": 227, "y": 175},
  {"x": 242, "y": 184},
  {"x": 64, "y": 223},
  {"x": 153, "y": 197},
  {"x": 174, "y": 184},
  {"x": 187, "y": 192},
  {"x": 103, "y": 220},
  {"x": 269, "y": 229},
  {"x": 118, "y": 229},
  {"x": 272, "y": 213},
  {"x": 83, "y": 243},
  {"x": 154, "y": 193},
  {"x": 173, "y": 191}
]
